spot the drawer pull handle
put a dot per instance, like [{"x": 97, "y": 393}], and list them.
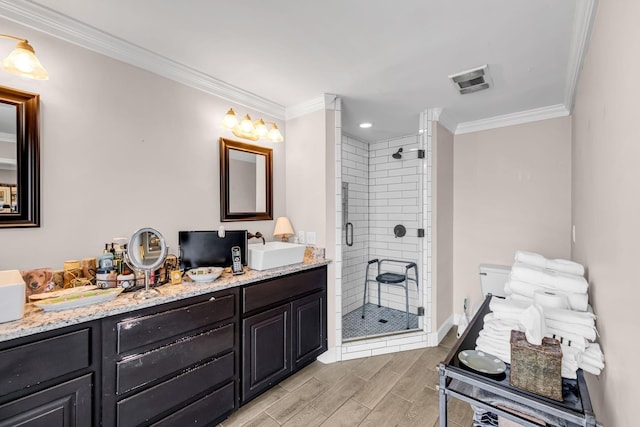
[{"x": 212, "y": 299}]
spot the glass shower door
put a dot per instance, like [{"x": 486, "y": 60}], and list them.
[{"x": 383, "y": 193}]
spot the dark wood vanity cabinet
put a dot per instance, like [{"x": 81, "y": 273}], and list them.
[
  {"x": 174, "y": 365},
  {"x": 284, "y": 328},
  {"x": 188, "y": 362},
  {"x": 50, "y": 379}
]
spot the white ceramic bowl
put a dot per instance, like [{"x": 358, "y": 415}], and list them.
[{"x": 205, "y": 274}]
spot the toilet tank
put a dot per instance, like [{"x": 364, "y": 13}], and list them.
[{"x": 493, "y": 277}]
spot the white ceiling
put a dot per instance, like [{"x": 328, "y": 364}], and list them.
[{"x": 387, "y": 60}]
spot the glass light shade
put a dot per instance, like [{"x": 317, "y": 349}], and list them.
[
  {"x": 261, "y": 129},
  {"x": 246, "y": 125},
  {"x": 283, "y": 228},
  {"x": 274, "y": 134},
  {"x": 23, "y": 62},
  {"x": 230, "y": 120}
]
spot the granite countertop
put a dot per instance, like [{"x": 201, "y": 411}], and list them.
[{"x": 36, "y": 320}]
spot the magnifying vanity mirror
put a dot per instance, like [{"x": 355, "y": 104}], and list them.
[
  {"x": 245, "y": 181},
  {"x": 146, "y": 251},
  {"x": 19, "y": 159}
]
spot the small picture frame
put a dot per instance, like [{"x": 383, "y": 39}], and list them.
[{"x": 176, "y": 277}]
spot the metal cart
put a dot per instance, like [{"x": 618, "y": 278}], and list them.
[{"x": 497, "y": 396}]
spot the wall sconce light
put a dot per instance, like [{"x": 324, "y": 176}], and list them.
[
  {"x": 23, "y": 62},
  {"x": 251, "y": 129},
  {"x": 283, "y": 228}
]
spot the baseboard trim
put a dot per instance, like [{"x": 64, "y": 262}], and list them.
[{"x": 444, "y": 329}]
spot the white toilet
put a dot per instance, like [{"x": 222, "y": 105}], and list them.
[{"x": 492, "y": 279}]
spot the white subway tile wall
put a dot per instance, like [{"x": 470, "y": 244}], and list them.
[{"x": 395, "y": 199}]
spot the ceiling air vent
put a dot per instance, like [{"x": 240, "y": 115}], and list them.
[{"x": 472, "y": 80}]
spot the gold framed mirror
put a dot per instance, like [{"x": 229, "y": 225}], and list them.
[
  {"x": 246, "y": 188},
  {"x": 19, "y": 158}
]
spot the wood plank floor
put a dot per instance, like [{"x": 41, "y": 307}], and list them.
[{"x": 389, "y": 390}]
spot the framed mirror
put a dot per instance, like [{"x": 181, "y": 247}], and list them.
[
  {"x": 19, "y": 158},
  {"x": 246, "y": 189}
]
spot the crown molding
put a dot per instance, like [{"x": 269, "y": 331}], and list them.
[
  {"x": 544, "y": 113},
  {"x": 62, "y": 27},
  {"x": 448, "y": 121},
  {"x": 307, "y": 107},
  {"x": 584, "y": 17}
]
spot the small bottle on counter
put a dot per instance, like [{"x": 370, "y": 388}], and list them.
[{"x": 106, "y": 260}]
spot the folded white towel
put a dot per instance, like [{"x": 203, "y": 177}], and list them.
[
  {"x": 589, "y": 332},
  {"x": 594, "y": 351},
  {"x": 519, "y": 298},
  {"x": 549, "y": 278},
  {"x": 570, "y": 351},
  {"x": 503, "y": 336},
  {"x": 501, "y": 305},
  {"x": 569, "y": 374},
  {"x": 491, "y": 321},
  {"x": 561, "y": 265},
  {"x": 591, "y": 369},
  {"x": 501, "y": 351},
  {"x": 567, "y": 338},
  {"x": 569, "y": 363},
  {"x": 588, "y": 360},
  {"x": 569, "y": 316},
  {"x": 578, "y": 302},
  {"x": 508, "y": 316}
]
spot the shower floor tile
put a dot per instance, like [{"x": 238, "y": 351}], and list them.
[{"x": 354, "y": 326}]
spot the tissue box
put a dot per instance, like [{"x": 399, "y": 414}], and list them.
[
  {"x": 536, "y": 368},
  {"x": 11, "y": 295}
]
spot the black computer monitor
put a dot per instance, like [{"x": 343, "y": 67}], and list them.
[{"x": 207, "y": 249}]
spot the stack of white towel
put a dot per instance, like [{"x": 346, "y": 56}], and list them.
[
  {"x": 545, "y": 298},
  {"x": 532, "y": 274}
]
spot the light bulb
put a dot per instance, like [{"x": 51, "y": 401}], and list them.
[
  {"x": 274, "y": 134},
  {"x": 261, "y": 129},
  {"x": 23, "y": 62},
  {"x": 230, "y": 120},
  {"x": 246, "y": 125}
]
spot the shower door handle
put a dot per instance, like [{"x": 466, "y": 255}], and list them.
[{"x": 349, "y": 234}]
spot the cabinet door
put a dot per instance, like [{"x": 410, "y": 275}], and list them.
[
  {"x": 266, "y": 355},
  {"x": 64, "y": 405},
  {"x": 309, "y": 328}
]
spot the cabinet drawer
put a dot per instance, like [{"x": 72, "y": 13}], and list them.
[
  {"x": 142, "y": 331},
  {"x": 203, "y": 411},
  {"x": 142, "y": 369},
  {"x": 170, "y": 394},
  {"x": 31, "y": 364},
  {"x": 281, "y": 289}
]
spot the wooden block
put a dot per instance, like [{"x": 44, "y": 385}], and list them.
[{"x": 536, "y": 368}]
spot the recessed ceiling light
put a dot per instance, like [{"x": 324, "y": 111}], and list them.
[{"x": 365, "y": 125}]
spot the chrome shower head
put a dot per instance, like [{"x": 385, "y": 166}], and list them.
[{"x": 397, "y": 154}]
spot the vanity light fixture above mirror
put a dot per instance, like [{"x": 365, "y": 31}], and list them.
[
  {"x": 22, "y": 61},
  {"x": 251, "y": 129}
]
